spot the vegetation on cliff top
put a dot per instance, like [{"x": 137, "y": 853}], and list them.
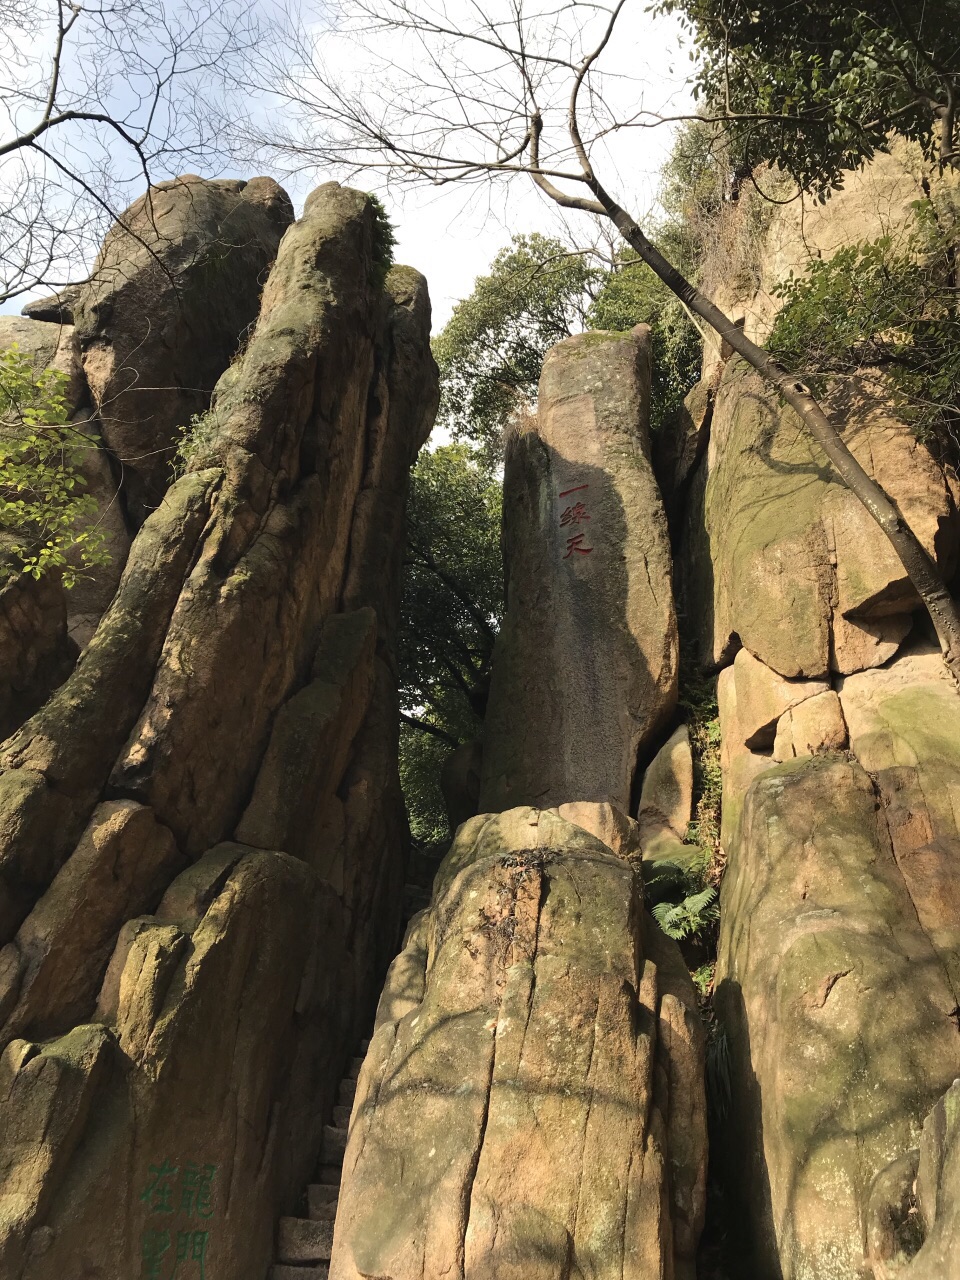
[
  {"x": 886, "y": 305},
  {"x": 817, "y": 87}
]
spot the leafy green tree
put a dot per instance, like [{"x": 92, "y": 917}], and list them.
[
  {"x": 44, "y": 516},
  {"x": 817, "y": 87},
  {"x": 631, "y": 294},
  {"x": 884, "y": 306},
  {"x": 490, "y": 353},
  {"x": 452, "y": 606},
  {"x": 540, "y": 291}
]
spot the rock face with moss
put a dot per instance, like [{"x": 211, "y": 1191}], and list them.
[
  {"x": 201, "y": 831},
  {"x": 785, "y": 559},
  {"x": 585, "y": 668},
  {"x": 541, "y": 1039},
  {"x": 172, "y": 295},
  {"x": 838, "y": 974},
  {"x": 835, "y": 990}
]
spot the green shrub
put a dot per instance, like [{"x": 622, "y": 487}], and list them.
[
  {"x": 887, "y": 306},
  {"x": 44, "y": 515}
]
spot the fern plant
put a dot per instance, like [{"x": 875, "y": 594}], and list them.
[
  {"x": 692, "y": 915},
  {"x": 690, "y": 907}
]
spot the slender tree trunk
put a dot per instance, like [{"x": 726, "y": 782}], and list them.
[{"x": 921, "y": 569}]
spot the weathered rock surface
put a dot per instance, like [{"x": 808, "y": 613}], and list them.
[
  {"x": 811, "y": 726},
  {"x": 739, "y": 765},
  {"x": 763, "y": 698},
  {"x": 460, "y": 783},
  {"x": 742, "y": 269},
  {"x": 585, "y": 668},
  {"x": 51, "y": 973},
  {"x": 937, "y": 1189},
  {"x": 55, "y": 307},
  {"x": 542, "y": 1042},
  {"x": 904, "y": 724},
  {"x": 837, "y": 1000},
  {"x": 36, "y": 652},
  {"x": 668, "y": 783},
  {"x": 786, "y": 559},
  {"x": 47, "y": 346},
  {"x": 194, "y": 1026},
  {"x": 88, "y": 599},
  {"x": 174, "y": 290}
]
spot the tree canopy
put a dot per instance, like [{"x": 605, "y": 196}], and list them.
[
  {"x": 452, "y": 606},
  {"x": 817, "y": 87},
  {"x": 539, "y": 291}
]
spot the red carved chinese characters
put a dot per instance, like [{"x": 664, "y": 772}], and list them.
[
  {"x": 575, "y": 514},
  {"x": 573, "y": 544}
]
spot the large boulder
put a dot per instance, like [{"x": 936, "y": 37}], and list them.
[
  {"x": 585, "y": 667},
  {"x": 163, "y": 1117},
  {"x": 532, "y": 1103},
  {"x": 837, "y": 1000},
  {"x": 173, "y": 292},
  {"x": 904, "y": 723},
  {"x": 787, "y": 560}
]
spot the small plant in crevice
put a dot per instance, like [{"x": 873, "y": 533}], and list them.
[
  {"x": 689, "y": 907},
  {"x": 698, "y": 699},
  {"x": 196, "y": 442},
  {"x": 501, "y": 923}
]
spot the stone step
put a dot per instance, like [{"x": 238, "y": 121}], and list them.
[
  {"x": 330, "y": 1174},
  {"x": 364, "y": 1046},
  {"x": 304, "y": 1240},
  {"x": 341, "y": 1117},
  {"x": 319, "y": 1271},
  {"x": 334, "y": 1145},
  {"x": 353, "y": 1071},
  {"x": 348, "y": 1091},
  {"x": 322, "y": 1201}
]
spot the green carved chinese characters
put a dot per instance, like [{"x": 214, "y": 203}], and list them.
[{"x": 178, "y": 1198}]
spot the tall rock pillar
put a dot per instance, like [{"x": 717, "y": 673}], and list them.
[
  {"x": 532, "y": 1105},
  {"x": 585, "y": 670}
]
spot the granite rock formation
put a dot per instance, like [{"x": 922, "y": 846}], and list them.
[
  {"x": 541, "y": 1038},
  {"x": 203, "y": 839},
  {"x": 836, "y": 989},
  {"x": 188, "y": 949},
  {"x": 585, "y": 668}
]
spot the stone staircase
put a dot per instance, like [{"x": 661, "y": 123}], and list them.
[{"x": 304, "y": 1245}]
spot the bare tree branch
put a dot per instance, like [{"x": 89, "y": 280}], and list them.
[{"x": 494, "y": 111}]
